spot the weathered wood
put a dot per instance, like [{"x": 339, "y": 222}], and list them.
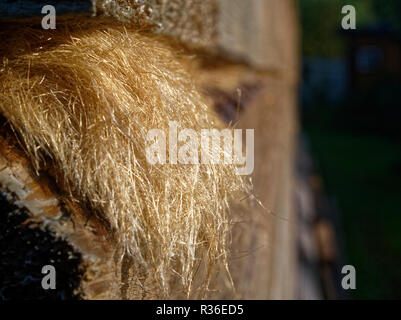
[
  {"x": 257, "y": 40},
  {"x": 264, "y": 255},
  {"x": 259, "y": 32},
  {"x": 47, "y": 208},
  {"x": 263, "y": 250}
]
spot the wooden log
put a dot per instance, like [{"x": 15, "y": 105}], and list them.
[
  {"x": 264, "y": 256},
  {"x": 247, "y": 54},
  {"x": 258, "y": 32},
  {"x": 58, "y": 219}
]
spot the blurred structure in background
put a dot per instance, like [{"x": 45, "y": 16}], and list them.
[
  {"x": 350, "y": 103},
  {"x": 374, "y": 75}
]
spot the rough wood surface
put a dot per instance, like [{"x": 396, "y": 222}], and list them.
[
  {"x": 268, "y": 268},
  {"x": 47, "y": 208},
  {"x": 263, "y": 35},
  {"x": 253, "y": 31},
  {"x": 264, "y": 253}
]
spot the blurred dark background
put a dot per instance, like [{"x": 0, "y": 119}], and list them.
[
  {"x": 350, "y": 105},
  {"x": 19, "y": 8}
]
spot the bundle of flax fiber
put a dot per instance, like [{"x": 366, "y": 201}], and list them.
[{"x": 80, "y": 100}]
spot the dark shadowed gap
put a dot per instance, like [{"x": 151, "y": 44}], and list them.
[{"x": 25, "y": 250}]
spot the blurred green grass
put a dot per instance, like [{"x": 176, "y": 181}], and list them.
[{"x": 363, "y": 172}]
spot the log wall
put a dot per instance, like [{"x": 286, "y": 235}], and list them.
[{"x": 250, "y": 45}]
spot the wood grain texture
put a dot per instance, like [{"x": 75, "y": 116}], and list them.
[
  {"x": 258, "y": 40},
  {"x": 253, "y": 31},
  {"x": 46, "y": 208}
]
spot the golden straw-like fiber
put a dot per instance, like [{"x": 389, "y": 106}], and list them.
[{"x": 82, "y": 99}]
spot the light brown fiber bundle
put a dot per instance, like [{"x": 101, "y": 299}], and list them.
[{"x": 81, "y": 99}]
